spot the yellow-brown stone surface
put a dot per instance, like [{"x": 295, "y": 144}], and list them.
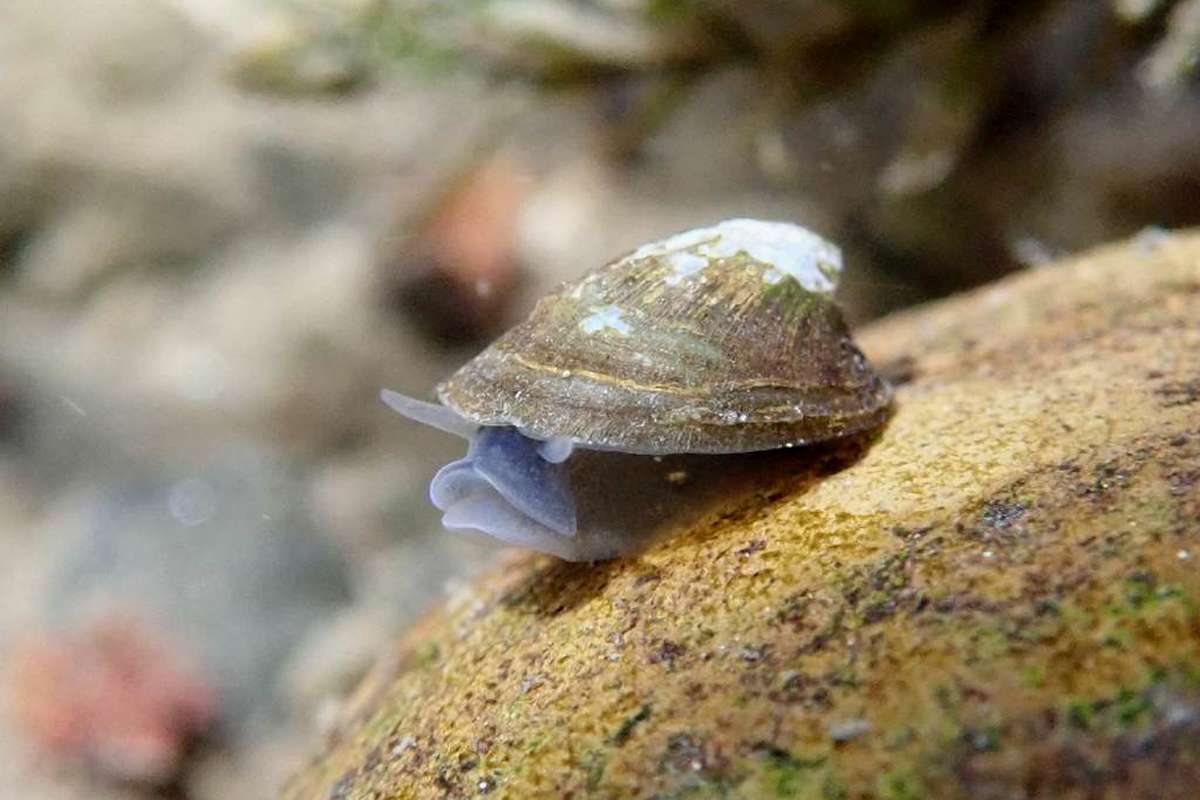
[{"x": 997, "y": 597}]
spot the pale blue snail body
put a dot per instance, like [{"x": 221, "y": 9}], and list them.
[
  {"x": 508, "y": 485},
  {"x": 606, "y": 414}
]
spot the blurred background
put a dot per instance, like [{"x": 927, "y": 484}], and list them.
[{"x": 226, "y": 224}]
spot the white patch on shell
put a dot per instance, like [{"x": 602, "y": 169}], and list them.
[
  {"x": 788, "y": 250},
  {"x": 604, "y": 318},
  {"x": 685, "y": 265}
]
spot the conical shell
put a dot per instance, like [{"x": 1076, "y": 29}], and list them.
[{"x": 717, "y": 340}]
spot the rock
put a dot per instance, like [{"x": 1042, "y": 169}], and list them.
[
  {"x": 456, "y": 281},
  {"x": 569, "y": 40},
  {"x": 220, "y": 560},
  {"x": 216, "y": 244},
  {"x": 115, "y": 697},
  {"x": 1173, "y": 60},
  {"x": 294, "y": 59},
  {"x": 998, "y": 593},
  {"x": 333, "y": 658}
]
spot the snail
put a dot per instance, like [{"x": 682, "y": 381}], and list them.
[{"x": 586, "y": 421}]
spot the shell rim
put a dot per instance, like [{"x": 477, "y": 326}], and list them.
[{"x": 874, "y": 416}]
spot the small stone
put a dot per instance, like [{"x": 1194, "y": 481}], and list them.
[
  {"x": 845, "y": 730},
  {"x": 753, "y": 654},
  {"x": 116, "y": 697}
]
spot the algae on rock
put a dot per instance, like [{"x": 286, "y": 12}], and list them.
[{"x": 997, "y": 597}]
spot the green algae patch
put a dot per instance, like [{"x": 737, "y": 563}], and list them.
[{"x": 996, "y": 596}]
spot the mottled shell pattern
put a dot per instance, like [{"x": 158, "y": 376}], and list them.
[
  {"x": 721, "y": 340},
  {"x": 718, "y": 340}
]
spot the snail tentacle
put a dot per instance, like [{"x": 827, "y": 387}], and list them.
[{"x": 431, "y": 414}]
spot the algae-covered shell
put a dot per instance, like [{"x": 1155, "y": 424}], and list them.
[{"x": 719, "y": 340}]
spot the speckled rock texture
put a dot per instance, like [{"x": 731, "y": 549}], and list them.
[{"x": 996, "y": 597}]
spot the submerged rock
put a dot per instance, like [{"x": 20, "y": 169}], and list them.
[
  {"x": 999, "y": 593},
  {"x": 115, "y": 698}
]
